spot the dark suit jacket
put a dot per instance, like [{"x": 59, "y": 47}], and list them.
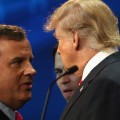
[
  {"x": 98, "y": 98},
  {"x": 3, "y": 116}
]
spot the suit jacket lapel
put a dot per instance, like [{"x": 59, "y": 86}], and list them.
[
  {"x": 3, "y": 116},
  {"x": 110, "y": 59}
]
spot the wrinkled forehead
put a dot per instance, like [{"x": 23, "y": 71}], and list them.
[{"x": 15, "y": 47}]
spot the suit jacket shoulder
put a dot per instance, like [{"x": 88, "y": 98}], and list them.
[{"x": 98, "y": 98}]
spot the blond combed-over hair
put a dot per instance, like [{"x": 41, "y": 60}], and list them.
[{"x": 93, "y": 20}]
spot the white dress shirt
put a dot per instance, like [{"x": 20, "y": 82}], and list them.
[{"x": 97, "y": 59}]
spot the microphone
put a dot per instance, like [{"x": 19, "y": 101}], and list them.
[{"x": 68, "y": 71}]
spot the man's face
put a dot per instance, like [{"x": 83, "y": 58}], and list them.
[
  {"x": 16, "y": 72},
  {"x": 65, "y": 47},
  {"x": 67, "y": 84}
]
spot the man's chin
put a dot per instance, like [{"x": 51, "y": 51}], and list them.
[
  {"x": 26, "y": 97},
  {"x": 67, "y": 96}
]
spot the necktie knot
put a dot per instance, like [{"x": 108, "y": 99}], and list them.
[{"x": 18, "y": 116}]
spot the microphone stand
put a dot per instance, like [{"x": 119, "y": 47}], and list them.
[
  {"x": 69, "y": 71},
  {"x": 47, "y": 97}
]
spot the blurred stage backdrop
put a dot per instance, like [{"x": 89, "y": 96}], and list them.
[{"x": 31, "y": 15}]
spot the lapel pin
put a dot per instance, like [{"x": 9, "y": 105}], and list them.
[{"x": 81, "y": 88}]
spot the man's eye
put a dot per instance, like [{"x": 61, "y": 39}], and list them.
[
  {"x": 58, "y": 71},
  {"x": 17, "y": 62}
]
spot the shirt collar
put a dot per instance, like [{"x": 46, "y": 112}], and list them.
[
  {"x": 9, "y": 112},
  {"x": 97, "y": 59}
]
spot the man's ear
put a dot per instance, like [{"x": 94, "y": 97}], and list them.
[{"x": 76, "y": 41}]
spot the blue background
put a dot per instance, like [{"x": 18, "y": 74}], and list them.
[{"x": 32, "y": 15}]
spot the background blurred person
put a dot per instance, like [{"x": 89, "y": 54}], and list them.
[{"x": 67, "y": 84}]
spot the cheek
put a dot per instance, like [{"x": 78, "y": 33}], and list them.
[
  {"x": 61, "y": 46},
  {"x": 7, "y": 85},
  {"x": 65, "y": 49},
  {"x": 75, "y": 78},
  {"x": 59, "y": 83},
  {"x": 9, "y": 78}
]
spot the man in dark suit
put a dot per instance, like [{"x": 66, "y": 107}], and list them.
[
  {"x": 16, "y": 71},
  {"x": 88, "y": 36}
]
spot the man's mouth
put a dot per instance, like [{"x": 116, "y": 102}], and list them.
[
  {"x": 27, "y": 85},
  {"x": 67, "y": 90},
  {"x": 68, "y": 93}
]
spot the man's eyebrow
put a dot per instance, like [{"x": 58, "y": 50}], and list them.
[
  {"x": 22, "y": 57},
  {"x": 16, "y": 59}
]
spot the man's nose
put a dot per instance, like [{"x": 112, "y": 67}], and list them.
[
  {"x": 65, "y": 79},
  {"x": 30, "y": 70},
  {"x": 58, "y": 51}
]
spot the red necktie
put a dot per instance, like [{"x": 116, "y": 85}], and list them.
[
  {"x": 18, "y": 116},
  {"x": 80, "y": 82}
]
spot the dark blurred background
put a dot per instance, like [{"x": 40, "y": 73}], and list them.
[{"x": 32, "y": 15}]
